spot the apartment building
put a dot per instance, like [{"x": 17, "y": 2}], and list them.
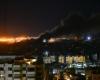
[{"x": 16, "y": 71}]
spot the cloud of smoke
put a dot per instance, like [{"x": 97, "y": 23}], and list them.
[{"x": 78, "y": 24}]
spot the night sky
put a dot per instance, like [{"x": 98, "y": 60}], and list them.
[{"x": 32, "y": 17}]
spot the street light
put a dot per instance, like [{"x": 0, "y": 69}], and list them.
[
  {"x": 46, "y": 53},
  {"x": 33, "y": 60},
  {"x": 30, "y": 61},
  {"x": 44, "y": 40},
  {"x": 89, "y": 38},
  {"x": 1, "y": 77}
]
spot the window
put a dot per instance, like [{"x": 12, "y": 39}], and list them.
[
  {"x": 1, "y": 68},
  {"x": 10, "y": 75},
  {"x": 61, "y": 59},
  {"x": 9, "y": 69},
  {"x": 31, "y": 69},
  {"x": 52, "y": 58},
  {"x": 69, "y": 59}
]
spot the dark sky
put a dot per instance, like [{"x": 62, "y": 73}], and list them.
[{"x": 32, "y": 17}]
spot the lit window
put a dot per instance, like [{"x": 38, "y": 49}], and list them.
[
  {"x": 46, "y": 60},
  {"x": 69, "y": 59},
  {"x": 61, "y": 59},
  {"x": 52, "y": 58}
]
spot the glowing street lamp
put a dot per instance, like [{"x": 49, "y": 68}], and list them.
[
  {"x": 89, "y": 38},
  {"x": 30, "y": 61},
  {"x": 1, "y": 77},
  {"x": 44, "y": 40},
  {"x": 33, "y": 60}
]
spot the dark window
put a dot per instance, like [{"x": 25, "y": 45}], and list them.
[
  {"x": 17, "y": 75},
  {"x": 9, "y": 69},
  {"x": 10, "y": 75},
  {"x": 24, "y": 75},
  {"x": 17, "y": 70},
  {"x": 1, "y": 68},
  {"x": 31, "y": 69},
  {"x": 24, "y": 68}
]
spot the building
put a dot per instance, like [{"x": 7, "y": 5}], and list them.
[{"x": 11, "y": 69}]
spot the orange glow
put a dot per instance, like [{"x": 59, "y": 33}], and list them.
[
  {"x": 52, "y": 40},
  {"x": 7, "y": 40},
  {"x": 14, "y": 40}
]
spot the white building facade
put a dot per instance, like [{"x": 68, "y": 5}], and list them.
[{"x": 16, "y": 71}]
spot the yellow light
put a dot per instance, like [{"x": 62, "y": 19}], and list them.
[
  {"x": 1, "y": 75},
  {"x": 7, "y": 40},
  {"x": 14, "y": 39},
  {"x": 28, "y": 62},
  {"x": 19, "y": 39},
  {"x": 70, "y": 76},
  {"x": 34, "y": 60},
  {"x": 51, "y": 40},
  {"x": 25, "y": 59},
  {"x": 68, "y": 79}
]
